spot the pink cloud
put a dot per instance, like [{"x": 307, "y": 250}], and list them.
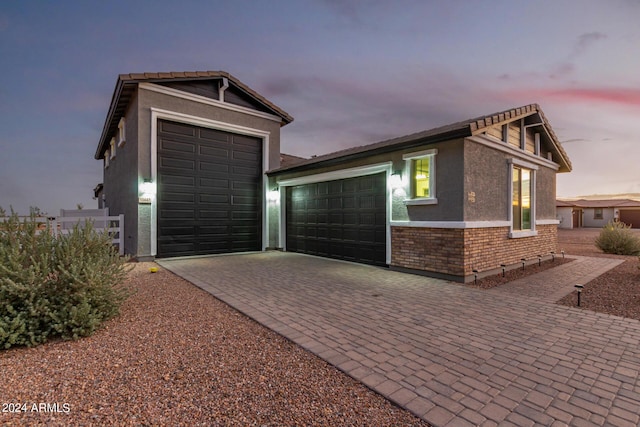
[{"x": 620, "y": 96}]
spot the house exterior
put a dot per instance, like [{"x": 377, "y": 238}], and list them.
[
  {"x": 578, "y": 213},
  {"x": 197, "y": 170}
]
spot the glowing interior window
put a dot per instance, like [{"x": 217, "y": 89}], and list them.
[{"x": 421, "y": 171}]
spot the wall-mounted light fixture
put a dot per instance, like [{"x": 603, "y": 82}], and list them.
[
  {"x": 147, "y": 190},
  {"x": 273, "y": 195},
  {"x": 395, "y": 181}
]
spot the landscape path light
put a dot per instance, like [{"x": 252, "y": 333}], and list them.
[
  {"x": 523, "y": 260},
  {"x": 504, "y": 267},
  {"x": 553, "y": 256},
  {"x": 579, "y": 289},
  {"x": 475, "y": 277},
  {"x": 539, "y": 260}
]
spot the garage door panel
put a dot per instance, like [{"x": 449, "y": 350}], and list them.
[
  {"x": 630, "y": 217},
  {"x": 212, "y": 191},
  {"x": 335, "y": 219},
  {"x": 214, "y": 135},
  {"x": 177, "y": 213},
  {"x": 178, "y": 128},
  {"x": 177, "y": 147},
  {"x": 183, "y": 197}
]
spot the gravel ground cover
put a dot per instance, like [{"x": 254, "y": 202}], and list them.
[
  {"x": 617, "y": 291},
  {"x": 177, "y": 356}
]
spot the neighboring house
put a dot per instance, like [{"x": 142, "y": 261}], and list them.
[
  {"x": 597, "y": 212},
  {"x": 444, "y": 202}
]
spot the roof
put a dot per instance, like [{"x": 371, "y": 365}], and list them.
[
  {"x": 451, "y": 131},
  {"x": 289, "y": 160},
  {"x": 604, "y": 203},
  {"x": 127, "y": 84}
]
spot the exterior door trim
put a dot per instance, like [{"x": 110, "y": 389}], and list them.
[{"x": 157, "y": 114}]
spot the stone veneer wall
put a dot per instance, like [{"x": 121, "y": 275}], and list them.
[{"x": 457, "y": 252}]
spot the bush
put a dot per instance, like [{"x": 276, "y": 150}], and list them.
[
  {"x": 617, "y": 238},
  {"x": 63, "y": 286}
]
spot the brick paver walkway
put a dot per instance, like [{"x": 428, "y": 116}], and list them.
[{"x": 451, "y": 354}]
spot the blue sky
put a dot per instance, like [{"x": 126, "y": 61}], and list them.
[{"x": 349, "y": 72}]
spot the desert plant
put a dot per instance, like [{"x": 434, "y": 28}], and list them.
[
  {"x": 56, "y": 286},
  {"x": 617, "y": 238}
]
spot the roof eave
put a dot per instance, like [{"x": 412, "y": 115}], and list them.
[{"x": 330, "y": 161}]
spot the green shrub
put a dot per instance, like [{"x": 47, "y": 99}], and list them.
[
  {"x": 617, "y": 238},
  {"x": 63, "y": 286}
]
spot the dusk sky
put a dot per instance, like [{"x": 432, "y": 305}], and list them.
[{"x": 349, "y": 72}]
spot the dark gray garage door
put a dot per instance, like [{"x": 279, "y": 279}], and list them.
[
  {"x": 343, "y": 219},
  {"x": 209, "y": 191},
  {"x": 630, "y": 216}
]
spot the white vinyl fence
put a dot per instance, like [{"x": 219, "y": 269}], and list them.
[{"x": 102, "y": 222}]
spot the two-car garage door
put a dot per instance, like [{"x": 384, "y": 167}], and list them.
[
  {"x": 209, "y": 191},
  {"x": 343, "y": 219}
]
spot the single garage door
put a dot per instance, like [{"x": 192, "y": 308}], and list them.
[
  {"x": 630, "y": 216},
  {"x": 344, "y": 219},
  {"x": 209, "y": 191}
]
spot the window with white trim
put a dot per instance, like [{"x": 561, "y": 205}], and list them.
[
  {"x": 121, "y": 132},
  {"x": 422, "y": 176},
  {"x": 598, "y": 213},
  {"x": 112, "y": 144},
  {"x": 522, "y": 199}
]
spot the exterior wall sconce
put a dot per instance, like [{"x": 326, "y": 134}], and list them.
[
  {"x": 147, "y": 190},
  {"x": 273, "y": 196},
  {"x": 395, "y": 181}
]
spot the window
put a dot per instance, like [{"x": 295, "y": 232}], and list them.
[
  {"x": 421, "y": 166},
  {"x": 121, "y": 132},
  {"x": 421, "y": 174},
  {"x": 522, "y": 198},
  {"x": 113, "y": 147},
  {"x": 597, "y": 213}
]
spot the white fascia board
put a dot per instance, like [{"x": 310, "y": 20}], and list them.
[
  {"x": 338, "y": 174},
  {"x": 208, "y": 101},
  {"x": 451, "y": 224},
  {"x": 517, "y": 153}
]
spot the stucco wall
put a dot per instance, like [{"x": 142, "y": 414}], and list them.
[
  {"x": 486, "y": 180},
  {"x": 565, "y": 216},
  {"x": 121, "y": 180},
  {"x": 589, "y": 221}
]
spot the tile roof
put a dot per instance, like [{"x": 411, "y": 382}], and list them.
[
  {"x": 604, "y": 203},
  {"x": 126, "y": 84},
  {"x": 455, "y": 130},
  {"x": 289, "y": 160}
]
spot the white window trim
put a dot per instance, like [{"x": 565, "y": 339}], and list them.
[
  {"x": 409, "y": 158},
  {"x": 121, "y": 132},
  {"x": 517, "y": 234}
]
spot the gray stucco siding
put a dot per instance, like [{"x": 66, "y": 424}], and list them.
[
  {"x": 546, "y": 193},
  {"x": 121, "y": 178},
  {"x": 487, "y": 172},
  {"x": 486, "y": 183}
]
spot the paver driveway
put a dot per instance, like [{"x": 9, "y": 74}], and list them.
[{"x": 451, "y": 354}]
